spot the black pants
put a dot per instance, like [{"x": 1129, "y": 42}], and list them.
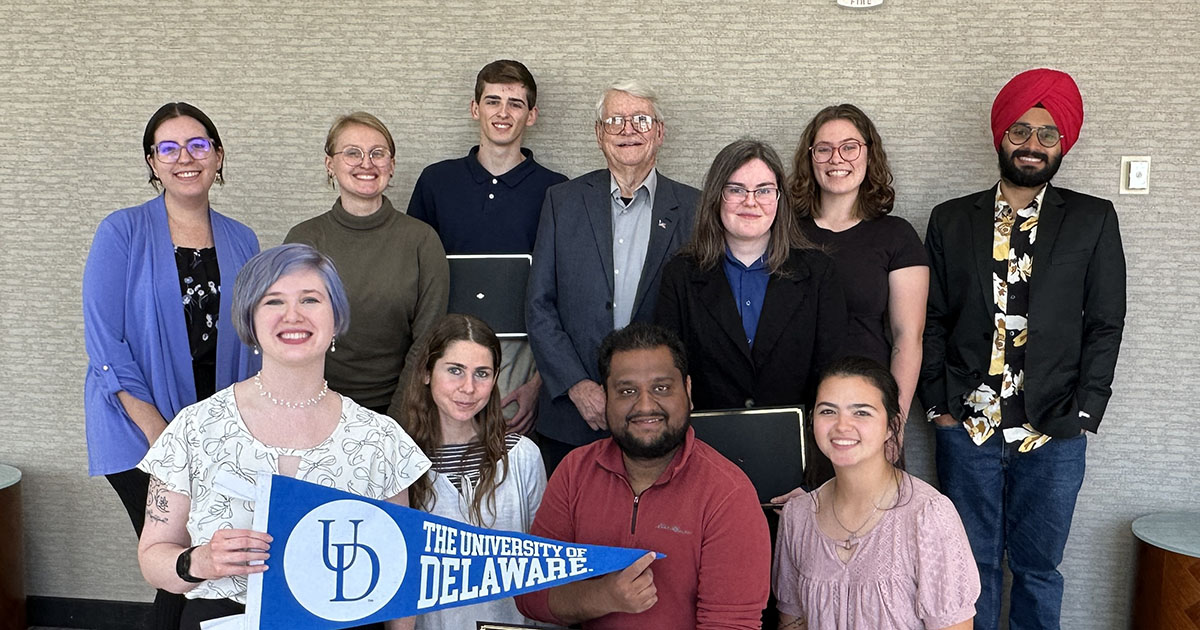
[
  {"x": 198, "y": 610},
  {"x": 131, "y": 486}
]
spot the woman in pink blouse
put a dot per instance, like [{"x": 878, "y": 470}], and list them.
[{"x": 874, "y": 547}]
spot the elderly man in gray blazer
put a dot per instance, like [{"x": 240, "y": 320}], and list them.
[{"x": 602, "y": 242}]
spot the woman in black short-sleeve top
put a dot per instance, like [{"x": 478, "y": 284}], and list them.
[{"x": 841, "y": 188}]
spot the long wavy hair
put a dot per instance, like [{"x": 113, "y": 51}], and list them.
[
  {"x": 707, "y": 245},
  {"x": 875, "y": 195},
  {"x": 420, "y": 418}
]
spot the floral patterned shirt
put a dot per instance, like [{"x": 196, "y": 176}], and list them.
[
  {"x": 200, "y": 289},
  {"x": 367, "y": 454},
  {"x": 999, "y": 401}
]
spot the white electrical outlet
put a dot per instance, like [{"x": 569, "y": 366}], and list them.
[{"x": 1135, "y": 175}]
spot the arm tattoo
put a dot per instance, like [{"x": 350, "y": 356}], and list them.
[{"x": 157, "y": 506}]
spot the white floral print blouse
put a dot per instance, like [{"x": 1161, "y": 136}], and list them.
[{"x": 367, "y": 454}]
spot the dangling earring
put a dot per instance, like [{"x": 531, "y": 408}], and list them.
[
  {"x": 329, "y": 177},
  {"x": 255, "y": 348},
  {"x": 333, "y": 345},
  {"x": 220, "y": 179}
]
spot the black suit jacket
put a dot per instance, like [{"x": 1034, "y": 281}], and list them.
[
  {"x": 1076, "y": 308},
  {"x": 570, "y": 295},
  {"x": 801, "y": 329}
]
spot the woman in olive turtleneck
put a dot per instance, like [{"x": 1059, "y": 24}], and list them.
[{"x": 393, "y": 266}]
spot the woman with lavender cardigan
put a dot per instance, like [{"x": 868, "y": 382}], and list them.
[{"x": 155, "y": 319}]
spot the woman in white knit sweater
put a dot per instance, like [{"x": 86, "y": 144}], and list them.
[{"x": 481, "y": 474}]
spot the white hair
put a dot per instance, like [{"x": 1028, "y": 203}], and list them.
[{"x": 631, "y": 87}]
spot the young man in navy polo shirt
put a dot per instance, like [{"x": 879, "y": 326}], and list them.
[{"x": 489, "y": 202}]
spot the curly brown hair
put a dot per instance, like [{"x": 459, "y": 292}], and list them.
[
  {"x": 421, "y": 421},
  {"x": 875, "y": 195}
]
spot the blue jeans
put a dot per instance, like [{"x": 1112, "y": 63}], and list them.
[{"x": 1019, "y": 503}]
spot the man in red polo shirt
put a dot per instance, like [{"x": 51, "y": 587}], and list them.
[{"x": 653, "y": 485}]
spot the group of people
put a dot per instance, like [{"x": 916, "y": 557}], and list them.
[{"x": 332, "y": 359}]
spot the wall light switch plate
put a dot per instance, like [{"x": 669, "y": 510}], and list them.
[{"x": 1135, "y": 175}]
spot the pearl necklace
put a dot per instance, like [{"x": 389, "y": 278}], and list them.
[{"x": 287, "y": 403}]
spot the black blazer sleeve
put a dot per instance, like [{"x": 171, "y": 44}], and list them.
[
  {"x": 1103, "y": 322},
  {"x": 931, "y": 385},
  {"x": 670, "y": 311}
]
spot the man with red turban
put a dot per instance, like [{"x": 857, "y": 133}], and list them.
[{"x": 1021, "y": 339}]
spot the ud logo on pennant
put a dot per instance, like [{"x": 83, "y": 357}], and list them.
[
  {"x": 332, "y": 562},
  {"x": 342, "y": 564}
]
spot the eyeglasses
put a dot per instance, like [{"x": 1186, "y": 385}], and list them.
[
  {"x": 640, "y": 123},
  {"x": 849, "y": 151},
  {"x": 353, "y": 156},
  {"x": 168, "y": 151},
  {"x": 732, "y": 193},
  {"x": 1019, "y": 133}
]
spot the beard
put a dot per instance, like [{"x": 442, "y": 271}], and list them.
[
  {"x": 664, "y": 444},
  {"x": 1024, "y": 177}
]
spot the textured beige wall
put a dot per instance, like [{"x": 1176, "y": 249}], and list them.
[{"x": 80, "y": 79}]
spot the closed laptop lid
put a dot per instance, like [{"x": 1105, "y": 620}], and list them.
[
  {"x": 766, "y": 443},
  {"x": 492, "y": 288}
]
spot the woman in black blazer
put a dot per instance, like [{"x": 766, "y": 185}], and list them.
[{"x": 759, "y": 308}]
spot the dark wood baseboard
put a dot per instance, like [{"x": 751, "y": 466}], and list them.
[{"x": 91, "y": 614}]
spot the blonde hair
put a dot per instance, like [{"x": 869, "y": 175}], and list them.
[{"x": 356, "y": 118}]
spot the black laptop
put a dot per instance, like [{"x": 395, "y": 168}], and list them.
[
  {"x": 767, "y": 443},
  {"x": 492, "y": 288}
]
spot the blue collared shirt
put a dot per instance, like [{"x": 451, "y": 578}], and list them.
[
  {"x": 631, "y": 240},
  {"x": 749, "y": 287}
]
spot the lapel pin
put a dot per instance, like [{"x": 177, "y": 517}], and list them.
[{"x": 662, "y": 224}]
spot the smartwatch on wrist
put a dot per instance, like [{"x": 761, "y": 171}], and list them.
[{"x": 183, "y": 566}]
